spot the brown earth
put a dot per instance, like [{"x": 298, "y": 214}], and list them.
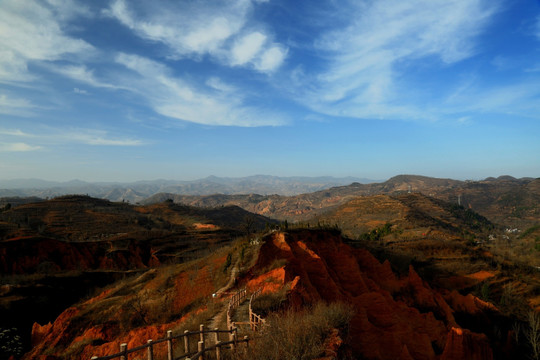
[
  {"x": 504, "y": 200},
  {"x": 131, "y": 311},
  {"x": 55, "y": 252},
  {"x": 396, "y": 318}
]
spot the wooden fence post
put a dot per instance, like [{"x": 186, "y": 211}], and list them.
[
  {"x": 169, "y": 345},
  {"x": 123, "y": 350},
  {"x": 200, "y": 348},
  {"x": 218, "y": 350},
  {"x": 186, "y": 341},
  {"x": 201, "y": 329},
  {"x": 150, "y": 350},
  {"x": 217, "y": 334},
  {"x": 231, "y": 337}
]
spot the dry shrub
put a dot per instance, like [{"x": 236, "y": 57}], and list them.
[
  {"x": 532, "y": 334},
  {"x": 297, "y": 334},
  {"x": 269, "y": 302}
]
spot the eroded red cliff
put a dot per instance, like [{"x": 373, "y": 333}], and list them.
[{"x": 395, "y": 318}]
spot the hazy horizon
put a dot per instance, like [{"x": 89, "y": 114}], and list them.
[
  {"x": 151, "y": 180},
  {"x": 118, "y": 91}
]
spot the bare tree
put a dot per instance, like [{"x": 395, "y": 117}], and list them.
[{"x": 532, "y": 334}]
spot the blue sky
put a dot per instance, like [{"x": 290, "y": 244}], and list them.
[{"x": 130, "y": 90}]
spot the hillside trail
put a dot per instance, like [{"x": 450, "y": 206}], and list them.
[
  {"x": 232, "y": 279},
  {"x": 220, "y": 316},
  {"x": 241, "y": 314}
]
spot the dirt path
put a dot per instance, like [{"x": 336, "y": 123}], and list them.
[
  {"x": 220, "y": 316},
  {"x": 232, "y": 279}
]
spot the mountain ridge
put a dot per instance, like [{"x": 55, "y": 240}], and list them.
[
  {"x": 139, "y": 190},
  {"x": 504, "y": 200}
]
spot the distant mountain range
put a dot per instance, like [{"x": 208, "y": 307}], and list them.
[
  {"x": 504, "y": 200},
  {"x": 137, "y": 191}
]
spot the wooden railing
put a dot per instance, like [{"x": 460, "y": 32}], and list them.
[
  {"x": 255, "y": 321},
  {"x": 234, "y": 302},
  {"x": 202, "y": 345}
]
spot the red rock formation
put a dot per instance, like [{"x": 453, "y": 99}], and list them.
[
  {"x": 464, "y": 344},
  {"x": 39, "y": 332},
  {"x": 395, "y": 318}
]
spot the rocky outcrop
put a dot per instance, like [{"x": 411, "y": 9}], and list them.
[
  {"x": 395, "y": 318},
  {"x": 464, "y": 344}
]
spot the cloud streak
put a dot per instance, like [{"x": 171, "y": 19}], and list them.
[
  {"x": 18, "y": 147},
  {"x": 99, "y": 138},
  {"x": 32, "y": 31},
  {"x": 175, "y": 98},
  {"x": 82, "y": 74},
  {"x": 363, "y": 77},
  {"x": 10, "y": 105},
  {"x": 216, "y": 29},
  {"x": 51, "y": 137}
]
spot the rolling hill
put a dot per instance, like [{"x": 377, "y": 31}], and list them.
[
  {"x": 55, "y": 252},
  {"x": 504, "y": 200}
]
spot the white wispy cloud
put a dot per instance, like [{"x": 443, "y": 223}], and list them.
[
  {"x": 99, "y": 138},
  {"x": 49, "y": 137},
  {"x": 194, "y": 28},
  {"x": 17, "y": 147},
  {"x": 218, "y": 84},
  {"x": 537, "y": 27},
  {"x": 10, "y": 105},
  {"x": 14, "y": 132},
  {"x": 271, "y": 58},
  {"x": 215, "y": 28},
  {"x": 175, "y": 98},
  {"x": 82, "y": 74},
  {"x": 32, "y": 31},
  {"x": 519, "y": 98},
  {"x": 247, "y": 47},
  {"x": 362, "y": 78}
]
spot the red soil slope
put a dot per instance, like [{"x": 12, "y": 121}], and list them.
[
  {"x": 30, "y": 255},
  {"x": 395, "y": 318},
  {"x": 98, "y": 326}
]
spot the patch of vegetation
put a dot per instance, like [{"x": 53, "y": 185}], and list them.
[
  {"x": 298, "y": 334},
  {"x": 269, "y": 302},
  {"x": 227, "y": 262},
  {"x": 484, "y": 291},
  {"x": 10, "y": 343},
  {"x": 529, "y": 231},
  {"x": 472, "y": 219},
  {"x": 376, "y": 234},
  {"x": 537, "y": 243}
]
